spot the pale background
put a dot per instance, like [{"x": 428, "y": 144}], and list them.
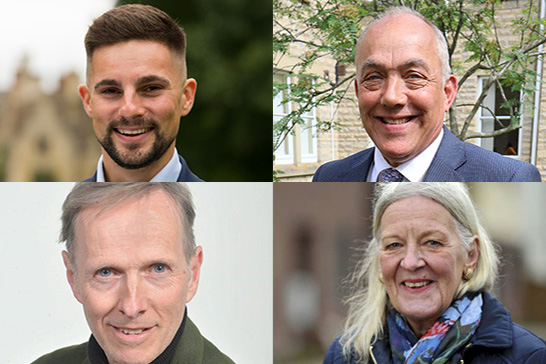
[
  {"x": 232, "y": 308},
  {"x": 50, "y": 33}
]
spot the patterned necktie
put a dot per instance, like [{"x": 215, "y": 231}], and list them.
[{"x": 390, "y": 175}]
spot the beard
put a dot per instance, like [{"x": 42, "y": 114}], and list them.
[{"x": 136, "y": 158}]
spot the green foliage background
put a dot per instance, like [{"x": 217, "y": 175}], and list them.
[{"x": 227, "y": 135}]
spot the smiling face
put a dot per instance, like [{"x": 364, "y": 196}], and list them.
[
  {"x": 131, "y": 276},
  {"x": 422, "y": 259},
  {"x": 401, "y": 96},
  {"x": 136, "y": 93}
]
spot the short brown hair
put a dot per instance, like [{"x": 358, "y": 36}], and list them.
[{"x": 135, "y": 22}]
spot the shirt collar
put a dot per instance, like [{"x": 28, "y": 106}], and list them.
[
  {"x": 415, "y": 169},
  {"x": 169, "y": 173}
]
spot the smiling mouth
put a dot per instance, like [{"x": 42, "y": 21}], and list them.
[
  {"x": 417, "y": 284},
  {"x": 131, "y": 331},
  {"x": 132, "y": 132},
  {"x": 398, "y": 121}
]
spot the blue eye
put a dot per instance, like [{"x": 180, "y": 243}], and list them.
[
  {"x": 434, "y": 243},
  {"x": 159, "y": 268},
  {"x": 105, "y": 272}
]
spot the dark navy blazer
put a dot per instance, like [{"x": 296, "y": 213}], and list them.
[
  {"x": 455, "y": 161},
  {"x": 185, "y": 174},
  {"x": 497, "y": 340}
]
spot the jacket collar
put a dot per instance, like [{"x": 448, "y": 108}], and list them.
[
  {"x": 495, "y": 331},
  {"x": 449, "y": 157}
]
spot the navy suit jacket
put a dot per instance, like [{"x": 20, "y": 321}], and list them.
[
  {"x": 455, "y": 161},
  {"x": 185, "y": 174}
]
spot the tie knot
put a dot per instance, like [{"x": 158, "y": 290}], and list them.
[{"x": 390, "y": 175}]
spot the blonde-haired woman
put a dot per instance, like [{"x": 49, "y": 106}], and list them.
[{"x": 421, "y": 294}]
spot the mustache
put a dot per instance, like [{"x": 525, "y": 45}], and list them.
[{"x": 132, "y": 122}]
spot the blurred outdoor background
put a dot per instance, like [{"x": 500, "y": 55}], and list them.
[
  {"x": 320, "y": 230},
  {"x": 45, "y": 134}
]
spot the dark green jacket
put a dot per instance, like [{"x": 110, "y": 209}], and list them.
[{"x": 193, "y": 348}]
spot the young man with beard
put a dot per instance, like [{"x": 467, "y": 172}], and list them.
[{"x": 136, "y": 92}]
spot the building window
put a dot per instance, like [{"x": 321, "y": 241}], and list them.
[
  {"x": 300, "y": 146},
  {"x": 508, "y": 144}
]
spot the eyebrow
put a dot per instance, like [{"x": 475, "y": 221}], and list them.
[
  {"x": 140, "y": 81},
  {"x": 107, "y": 82},
  {"x": 410, "y": 63}
]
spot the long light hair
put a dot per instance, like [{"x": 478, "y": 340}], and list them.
[{"x": 369, "y": 303}]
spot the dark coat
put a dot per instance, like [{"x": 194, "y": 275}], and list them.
[
  {"x": 498, "y": 340},
  {"x": 192, "y": 348},
  {"x": 185, "y": 174},
  {"x": 455, "y": 161}
]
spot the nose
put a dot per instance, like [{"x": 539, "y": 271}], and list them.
[
  {"x": 132, "y": 105},
  {"x": 133, "y": 299},
  {"x": 394, "y": 93},
  {"x": 412, "y": 259}
]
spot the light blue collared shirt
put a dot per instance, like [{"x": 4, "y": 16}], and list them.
[{"x": 169, "y": 173}]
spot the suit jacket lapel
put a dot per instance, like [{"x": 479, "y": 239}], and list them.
[
  {"x": 358, "y": 171},
  {"x": 449, "y": 157}
]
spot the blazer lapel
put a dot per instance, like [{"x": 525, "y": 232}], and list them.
[{"x": 449, "y": 157}]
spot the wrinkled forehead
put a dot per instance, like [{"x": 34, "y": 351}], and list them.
[{"x": 153, "y": 214}]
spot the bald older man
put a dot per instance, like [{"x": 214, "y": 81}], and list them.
[{"x": 404, "y": 87}]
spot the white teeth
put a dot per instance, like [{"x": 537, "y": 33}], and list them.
[
  {"x": 416, "y": 285},
  {"x": 395, "y": 121},
  {"x": 133, "y": 132},
  {"x": 131, "y": 332}
]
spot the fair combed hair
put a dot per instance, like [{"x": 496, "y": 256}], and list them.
[
  {"x": 441, "y": 43},
  {"x": 369, "y": 303},
  {"x": 107, "y": 194}
]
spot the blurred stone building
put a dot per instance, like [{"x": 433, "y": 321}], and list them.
[
  {"x": 45, "y": 137},
  {"x": 309, "y": 147}
]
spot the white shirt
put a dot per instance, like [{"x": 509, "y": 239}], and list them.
[
  {"x": 169, "y": 173},
  {"x": 414, "y": 170}
]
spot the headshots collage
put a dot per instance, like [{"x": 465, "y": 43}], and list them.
[{"x": 206, "y": 243}]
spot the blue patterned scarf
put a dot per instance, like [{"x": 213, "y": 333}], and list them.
[{"x": 449, "y": 333}]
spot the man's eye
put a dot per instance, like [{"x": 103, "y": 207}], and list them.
[
  {"x": 109, "y": 91},
  {"x": 152, "y": 88},
  {"x": 105, "y": 272},
  {"x": 159, "y": 268}
]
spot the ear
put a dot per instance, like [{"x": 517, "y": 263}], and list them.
[
  {"x": 450, "y": 90},
  {"x": 83, "y": 90},
  {"x": 188, "y": 96},
  {"x": 195, "y": 266},
  {"x": 71, "y": 275},
  {"x": 473, "y": 254}
]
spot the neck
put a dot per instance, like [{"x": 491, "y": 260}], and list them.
[{"x": 114, "y": 173}]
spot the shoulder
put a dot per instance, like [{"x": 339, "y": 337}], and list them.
[
  {"x": 474, "y": 164},
  {"x": 497, "y": 167},
  {"x": 212, "y": 355},
  {"x": 528, "y": 348},
  {"x": 334, "y": 355},
  {"x": 195, "y": 348},
  {"x": 353, "y": 168},
  {"x": 70, "y": 355}
]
